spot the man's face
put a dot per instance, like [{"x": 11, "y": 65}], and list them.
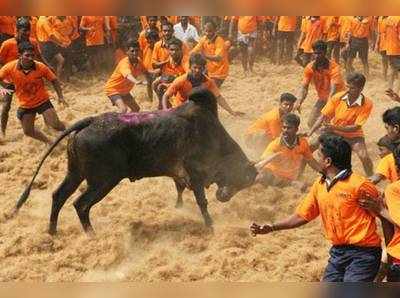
[
  {"x": 318, "y": 53},
  {"x": 383, "y": 151},
  {"x": 27, "y": 58},
  {"x": 323, "y": 161},
  {"x": 393, "y": 132},
  {"x": 152, "y": 22},
  {"x": 353, "y": 90},
  {"x": 167, "y": 31},
  {"x": 210, "y": 32},
  {"x": 196, "y": 70},
  {"x": 286, "y": 107},
  {"x": 23, "y": 33},
  {"x": 175, "y": 52},
  {"x": 184, "y": 20},
  {"x": 133, "y": 53},
  {"x": 289, "y": 130}
]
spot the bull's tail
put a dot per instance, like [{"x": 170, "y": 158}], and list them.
[{"x": 76, "y": 127}]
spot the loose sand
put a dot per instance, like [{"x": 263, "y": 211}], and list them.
[{"x": 140, "y": 235}]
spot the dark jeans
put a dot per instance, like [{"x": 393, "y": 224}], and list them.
[{"x": 349, "y": 263}]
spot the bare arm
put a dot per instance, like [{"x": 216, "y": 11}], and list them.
[
  {"x": 259, "y": 165},
  {"x": 303, "y": 94},
  {"x": 317, "y": 125},
  {"x": 314, "y": 165},
  {"x": 290, "y": 222},
  {"x": 165, "y": 100},
  {"x": 57, "y": 88},
  {"x": 376, "y": 178},
  {"x": 222, "y": 102}
]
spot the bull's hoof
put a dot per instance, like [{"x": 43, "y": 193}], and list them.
[
  {"x": 208, "y": 221},
  {"x": 52, "y": 231}
]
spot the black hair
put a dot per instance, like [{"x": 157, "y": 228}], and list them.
[
  {"x": 392, "y": 116},
  {"x": 288, "y": 97},
  {"x": 23, "y": 23},
  {"x": 396, "y": 154},
  {"x": 356, "y": 78},
  {"x": 385, "y": 141},
  {"x": 152, "y": 34},
  {"x": 337, "y": 149},
  {"x": 321, "y": 62},
  {"x": 197, "y": 58},
  {"x": 25, "y": 46},
  {"x": 320, "y": 46},
  {"x": 212, "y": 24},
  {"x": 291, "y": 119},
  {"x": 175, "y": 41},
  {"x": 133, "y": 43}
]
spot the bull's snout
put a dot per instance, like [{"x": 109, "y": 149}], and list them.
[{"x": 224, "y": 194}]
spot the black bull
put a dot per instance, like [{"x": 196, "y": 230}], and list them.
[{"x": 188, "y": 144}]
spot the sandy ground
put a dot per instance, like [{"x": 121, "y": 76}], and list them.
[{"x": 140, "y": 235}]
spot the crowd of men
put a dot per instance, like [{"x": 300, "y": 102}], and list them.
[{"x": 173, "y": 55}]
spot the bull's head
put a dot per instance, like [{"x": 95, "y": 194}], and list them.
[{"x": 235, "y": 172}]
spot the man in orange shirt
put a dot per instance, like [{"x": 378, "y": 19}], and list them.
[
  {"x": 359, "y": 35},
  {"x": 152, "y": 36},
  {"x": 345, "y": 113},
  {"x": 194, "y": 78},
  {"x": 392, "y": 35},
  {"x": 248, "y": 28},
  {"x": 160, "y": 52},
  {"x": 381, "y": 44},
  {"x": 124, "y": 78},
  {"x": 388, "y": 210},
  {"x": 153, "y": 26},
  {"x": 7, "y": 27},
  {"x": 97, "y": 31},
  {"x": 284, "y": 32},
  {"x": 326, "y": 77},
  {"x": 332, "y": 37},
  {"x": 214, "y": 49},
  {"x": 312, "y": 29},
  {"x": 283, "y": 158},
  {"x": 269, "y": 126},
  {"x": 356, "y": 251},
  {"x": 27, "y": 76},
  {"x": 176, "y": 66}
]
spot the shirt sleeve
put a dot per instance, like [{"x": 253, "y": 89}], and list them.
[
  {"x": 392, "y": 198},
  {"x": 47, "y": 73},
  {"x": 308, "y": 207},
  {"x": 272, "y": 148},
  {"x": 329, "y": 109},
  {"x": 124, "y": 68},
  {"x": 307, "y": 75},
  {"x": 383, "y": 168},
  {"x": 307, "y": 153},
  {"x": 4, "y": 72},
  {"x": 363, "y": 115}
]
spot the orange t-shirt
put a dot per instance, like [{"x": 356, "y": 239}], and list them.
[
  {"x": 95, "y": 36},
  {"x": 387, "y": 168},
  {"x": 287, "y": 23},
  {"x": 270, "y": 123},
  {"x": 74, "y": 23},
  {"x": 119, "y": 54},
  {"x": 62, "y": 30},
  {"x": 172, "y": 69},
  {"x": 313, "y": 31},
  {"x": 9, "y": 50},
  {"x": 324, "y": 80},
  {"x": 8, "y": 25},
  {"x": 29, "y": 88},
  {"x": 43, "y": 29},
  {"x": 118, "y": 83},
  {"x": 147, "y": 54},
  {"x": 344, "y": 221},
  {"x": 344, "y": 28},
  {"x": 216, "y": 47},
  {"x": 288, "y": 164},
  {"x": 247, "y": 24},
  {"x": 393, "y": 35},
  {"x": 392, "y": 199},
  {"x": 361, "y": 29},
  {"x": 342, "y": 115},
  {"x": 332, "y": 28},
  {"x": 181, "y": 87},
  {"x": 382, "y": 34}
]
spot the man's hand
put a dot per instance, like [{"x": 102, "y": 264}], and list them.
[
  {"x": 393, "y": 95},
  {"x": 62, "y": 101},
  {"x": 373, "y": 205},
  {"x": 5, "y": 91},
  {"x": 256, "y": 229}
]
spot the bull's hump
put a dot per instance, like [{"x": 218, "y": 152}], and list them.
[{"x": 142, "y": 117}]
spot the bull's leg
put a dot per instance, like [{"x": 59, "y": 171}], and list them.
[
  {"x": 93, "y": 194},
  {"x": 179, "y": 188},
  {"x": 60, "y": 196},
  {"x": 201, "y": 200}
]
